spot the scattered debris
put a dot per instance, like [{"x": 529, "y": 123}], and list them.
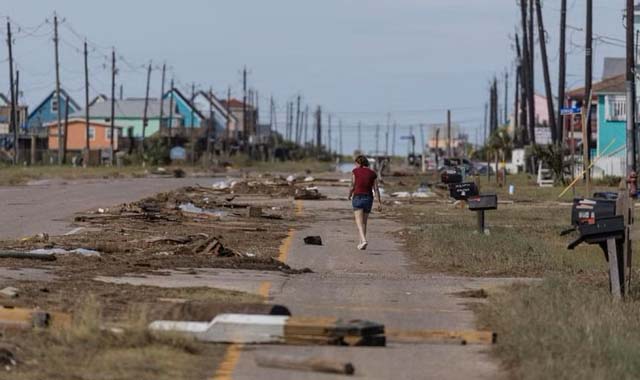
[
  {"x": 442, "y": 336},
  {"x": 74, "y": 231},
  {"x": 473, "y": 293},
  {"x": 9, "y": 292},
  {"x": 291, "y": 179},
  {"x": 309, "y": 179},
  {"x": 7, "y": 358},
  {"x": 179, "y": 173},
  {"x": 23, "y": 319},
  {"x": 42, "y": 237},
  {"x": 212, "y": 246},
  {"x": 168, "y": 239},
  {"x": 306, "y": 364},
  {"x": 61, "y": 251},
  {"x": 190, "y": 208},
  {"x": 26, "y": 255},
  {"x": 308, "y": 193},
  {"x": 245, "y": 328},
  {"x": 255, "y": 212},
  {"x": 313, "y": 240}
]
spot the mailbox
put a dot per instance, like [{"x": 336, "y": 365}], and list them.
[
  {"x": 483, "y": 202},
  {"x": 451, "y": 176},
  {"x": 463, "y": 191},
  {"x": 589, "y": 211}
]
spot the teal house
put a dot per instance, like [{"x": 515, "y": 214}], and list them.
[
  {"x": 612, "y": 116},
  {"x": 191, "y": 116}
]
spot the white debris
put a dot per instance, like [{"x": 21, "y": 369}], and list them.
[
  {"x": 61, "y": 251},
  {"x": 401, "y": 194},
  {"x": 193, "y": 209},
  {"x": 309, "y": 179},
  {"x": 291, "y": 178}
]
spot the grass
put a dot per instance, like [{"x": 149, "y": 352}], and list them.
[
  {"x": 565, "y": 329},
  {"x": 567, "y": 326},
  {"x": 89, "y": 351},
  {"x": 11, "y": 175},
  {"x": 289, "y": 167}
]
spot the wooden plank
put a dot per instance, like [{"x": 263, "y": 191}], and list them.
[
  {"x": 310, "y": 326},
  {"x": 306, "y": 364},
  {"x": 436, "y": 336},
  {"x": 614, "y": 275},
  {"x": 10, "y": 316}
]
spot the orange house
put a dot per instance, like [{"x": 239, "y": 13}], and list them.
[{"x": 99, "y": 135}]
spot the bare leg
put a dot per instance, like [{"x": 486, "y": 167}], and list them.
[
  {"x": 359, "y": 214},
  {"x": 365, "y": 218}
]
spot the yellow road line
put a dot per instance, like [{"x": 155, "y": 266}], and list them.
[
  {"x": 229, "y": 363},
  {"x": 285, "y": 246},
  {"x": 299, "y": 206},
  {"x": 264, "y": 289}
]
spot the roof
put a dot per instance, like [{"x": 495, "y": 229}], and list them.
[
  {"x": 614, "y": 85},
  {"x": 613, "y": 67},
  {"x": 99, "y": 98},
  {"x": 4, "y": 99},
  {"x": 64, "y": 93},
  {"x": 128, "y": 108},
  {"x": 217, "y": 104},
  {"x": 187, "y": 102},
  {"x": 235, "y": 103},
  {"x": 82, "y": 120}
]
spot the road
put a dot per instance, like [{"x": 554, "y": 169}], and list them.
[
  {"x": 377, "y": 284},
  {"x": 47, "y": 206}
]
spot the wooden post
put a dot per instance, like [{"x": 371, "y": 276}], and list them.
[
  {"x": 614, "y": 275},
  {"x": 33, "y": 150},
  {"x": 481, "y": 224}
]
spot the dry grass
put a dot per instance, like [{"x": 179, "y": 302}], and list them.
[
  {"x": 89, "y": 351},
  {"x": 565, "y": 329},
  {"x": 21, "y": 175}
]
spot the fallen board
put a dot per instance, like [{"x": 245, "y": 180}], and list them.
[
  {"x": 21, "y": 318},
  {"x": 244, "y": 328}
]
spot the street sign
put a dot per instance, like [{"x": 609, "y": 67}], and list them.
[{"x": 570, "y": 111}]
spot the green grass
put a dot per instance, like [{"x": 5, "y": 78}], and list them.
[
  {"x": 565, "y": 328},
  {"x": 288, "y": 167}
]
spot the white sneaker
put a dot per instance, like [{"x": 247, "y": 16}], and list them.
[{"x": 362, "y": 246}]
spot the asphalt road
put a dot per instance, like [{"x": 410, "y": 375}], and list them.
[
  {"x": 48, "y": 206},
  {"x": 379, "y": 285}
]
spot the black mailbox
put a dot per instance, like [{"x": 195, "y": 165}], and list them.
[
  {"x": 603, "y": 229},
  {"x": 463, "y": 191},
  {"x": 589, "y": 211},
  {"x": 451, "y": 176},
  {"x": 483, "y": 202}
]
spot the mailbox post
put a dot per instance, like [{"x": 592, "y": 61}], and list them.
[{"x": 480, "y": 204}]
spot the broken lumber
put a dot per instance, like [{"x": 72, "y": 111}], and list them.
[
  {"x": 9, "y": 292},
  {"x": 22, "y": 318},
  {"x": 26, "y": 256},
  {"x": 306, "y": 364},
  {"x": 442, "y": 336},
  {"x": 244, "y": 328}
]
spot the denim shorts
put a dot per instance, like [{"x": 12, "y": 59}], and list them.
[{"x": 362, "y": 202}]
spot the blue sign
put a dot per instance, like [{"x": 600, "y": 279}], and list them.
[{"x": 570, "y": 111}]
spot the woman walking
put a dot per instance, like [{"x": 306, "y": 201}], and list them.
[{"x": 364, "y": 182}]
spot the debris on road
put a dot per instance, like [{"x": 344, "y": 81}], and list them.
[
  {"x": 308, "y": 193},
  {"x": 42, "y": 237},
  {"x": 26, "y": 255},
  {"x": 9, "y": 292},
  {"x": 244, "y": 328},
  {"x": 24, "y": 319},
  {"x": 7, "y": 357},
  {"x": 61, "y": 251},
  {"x": 442, "y": 336},
  {"x": 306, "y": 364},
  {"x": 313, "y": 240}
]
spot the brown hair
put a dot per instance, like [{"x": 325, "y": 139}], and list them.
[{"x": 363, "y": 161}]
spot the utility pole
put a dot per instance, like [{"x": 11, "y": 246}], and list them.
[
  {"x": 306, "y": 123},
  {"x": 86, "y": 105},
  {"x": 486, "y": 115},
  {"x": 377, "y": 138},
  {"x": 386, "y": 150},
  {"x": 17, "y": 118},
  {"x": 423, "y": 162},
  {"x": 524, "y": 85},
  {"x": 631, "y": 135},
  {"x": 298, "y": 122},
  {"x": 547, "y": 77},
  {"x": 516, "y": 115},
  {"x": 210, "y": 125},
  {"x": 449, "y": 152},
  {"x": 393, "y": 144},
  {"x": 145, "y": 118},
  {"x": 532, "y": 66},
  {"x": 527, "y": 58},
  {"x": 437, "y": 148},
  {"x": 57, "y": 62},
  {"x": 341, "y": 152},
  {"x": 506, "y": 96},
  {"x": 161, "y": 125},
  {"x": 562, "y": 76},
  {"x": 171, "y": 110},
  {"x": 192, "y": 125},
  {"x": 113, "y": 102},
  {"x": 360, "y": 137},
  {"x": 245, "y": 129},
  {"x": 121, "y": 92},
  {"x": 586, "y": 143},
  {"x": 12, "y": 118},
  {"x": 65, "y": 135},
  {"x": 319, "y": 129},
  {"x": 329, "y": 134}
]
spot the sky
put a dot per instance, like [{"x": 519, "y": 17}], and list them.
[{"x": 375, "y": 62}]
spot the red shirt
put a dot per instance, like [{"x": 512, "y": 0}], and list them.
[{"x": 365, "y": 178}]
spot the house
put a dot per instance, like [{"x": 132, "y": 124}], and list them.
[
  {"x": 236, "y": 107},
  {"x": 210, "y": 106},
  {"x": 5, "y": 119},
  {"x": 99, "y": 99},
  {"x": 99, "y": 135},
  {"x": 47, "y": 111},
  {"x": 4, "y": 101},
  {"x": 129, "y": 114},
  {"x": 191, "y": 115}
]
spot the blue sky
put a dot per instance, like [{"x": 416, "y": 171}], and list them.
[{"x": 359, "y": 59}]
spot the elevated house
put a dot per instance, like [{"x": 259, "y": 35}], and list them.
[
  {"x": 216, "y": 112},
  {"x": 129, "y": 114},
  {"x": 239, "y": 129},
  {"x": 75, "y": 135},
  {"x": 47, "y": 111},
  {"x": 191, "y": 115}
]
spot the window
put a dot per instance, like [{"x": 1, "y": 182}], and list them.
[
  {"x": 616, "y": 108},
  {"x": 92, "y": 133},
  {"x": 54, "y": 103},
  {"x": 107, "y": 134}
]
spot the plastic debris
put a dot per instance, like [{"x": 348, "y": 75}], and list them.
[
  {"x": 62, "y": 251},
  {"x": 291, "y": 178},
  {"x": 309, "y": 179},
  {"x": 193, "y": 209}
]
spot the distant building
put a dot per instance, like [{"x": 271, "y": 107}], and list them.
[
  {"x": 47, "y": 111},
  {"x": 129, "y": 114},
  {"x": 99, "y": 135},
  {"x": 239, "y": 130},
  {"x": 191, "y": 115},
  {"x": 212, "y": 108}
]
